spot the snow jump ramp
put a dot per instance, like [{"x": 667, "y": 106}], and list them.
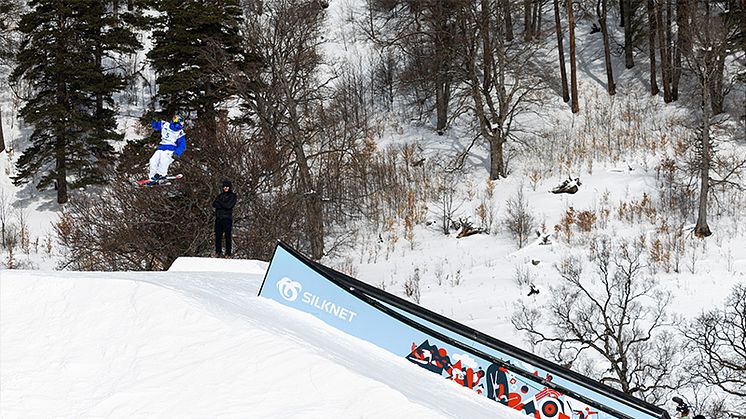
[{"x": 504, "y": 373}]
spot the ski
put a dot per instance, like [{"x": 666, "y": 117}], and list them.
[{"x": 164, "y": 181}]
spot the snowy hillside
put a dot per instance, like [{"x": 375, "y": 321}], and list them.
[
  {"x": 196, "y": 341},
  {"x": 189, "y": 343}
]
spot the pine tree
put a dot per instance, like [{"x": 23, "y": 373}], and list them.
[
  {"x": 9, "y": 14},
  {"x": 196, "y": 43},
  {"x": 61, "y": 57}
]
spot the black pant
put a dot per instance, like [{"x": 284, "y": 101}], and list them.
[{"x": 223, "y": 226}]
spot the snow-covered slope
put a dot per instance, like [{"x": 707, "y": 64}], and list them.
[{"x": 195, "y": 343}]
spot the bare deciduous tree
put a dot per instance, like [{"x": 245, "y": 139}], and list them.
[
  {"x": 651, "y": 47},
  {"x": 2, "y": 136},
  {"x": 497, "y": 78},
  {"x": 507, "y": 13},
  {"x": 602, "y": 12},
  {"x": 289, "y": 99},
  {"x": 663, "y": 52},
  {"x": 575, "y": 106},
  {"x": 682, "y": 46},
  {"x": 561, "y": 51},
  {"x": 518, "y": 219},
  {"x": 705, "y": 59},
  {"x": 4, "y": 213},
  {"x": 532, "y": 11},
  {"x": 447, "y": 183},
  {"x": 627, "y": 12},
  {"x": 317, "y": 127},
  {"x": 617, "y": 313},
  {"x": 717, "y": 339},
  {"x": 426, "y": 34}
]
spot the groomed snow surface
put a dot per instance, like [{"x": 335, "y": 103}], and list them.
[{"x": 196, "y": 342}]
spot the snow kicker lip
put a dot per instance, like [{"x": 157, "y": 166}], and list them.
[{"x": 502, "y": 372}]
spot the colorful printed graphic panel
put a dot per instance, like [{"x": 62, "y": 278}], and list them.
[{"x": 380, "y": 319}]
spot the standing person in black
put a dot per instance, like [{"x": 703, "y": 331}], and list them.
[{"x": 223, "y": 205}]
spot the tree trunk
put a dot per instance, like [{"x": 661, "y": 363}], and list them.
[
  {"x": 312, "y": 202},
  {"x": 310, "y": 195},
  {"x": 2, "y": 137},
  {"x": 488, "y": 60},
  {"x": 601, "y": 10},
  {"x": 561, "y": 49},
  {"x": 497, "y": 162},
  {"x": 60, "y": 170},
  {"x": 444, "y": 43},
  {"x": 651, "y": 47},
  {"x": 531, "y": 19},
  {"x": 507, "y": 16},
  {"x": 702, "y": 229},
  {"x": 621, "y": 13},
  {"x": 676, "y": 67},
  {"x": 115, "y": 10},
  {"x": 314, "y": 209},
  {"x": 573, "y": 67},
  {"x": 60, "y": 146},
  {"x": 717, "y": 95},
  {"x": 441, "y": 104},
  {"x": 669, "y": 37},
  {"x": 684, "y": 19},
  {"x": 527, "y": 21},
  {"x": 629, "y": 61},
  {"x": 481, "y": 83},
  {"x": 490, "y": 132},
  {"x": 682, "y": 45},
  {"x": 207, "y": 116},
  {"x": 99, "y": 95},
  {"x": 665, "y": 65},
  {"x": 669, "y": 45}
]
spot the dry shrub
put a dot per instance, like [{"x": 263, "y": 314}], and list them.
[
  {"x": 636, "y": 211},
  {"x": 585, "y": 220},
  {"x": 565, "y": 225},
  {"x": 659, "y": 256},
  {"x": 486, "y": 211},
  {"x": 412, "y": 286},
  {"x": 534, "y": 177}
]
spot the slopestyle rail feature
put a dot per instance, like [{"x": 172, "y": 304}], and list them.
[{"x": 502, "y": 372}]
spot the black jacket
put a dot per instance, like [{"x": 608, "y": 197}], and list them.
[{"x": 224, "y": 204}]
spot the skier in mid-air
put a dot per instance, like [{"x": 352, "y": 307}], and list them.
[{"x": 173, "y": 143}]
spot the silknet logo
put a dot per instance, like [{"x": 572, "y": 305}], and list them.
[{"x": 289, "y": 289}]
